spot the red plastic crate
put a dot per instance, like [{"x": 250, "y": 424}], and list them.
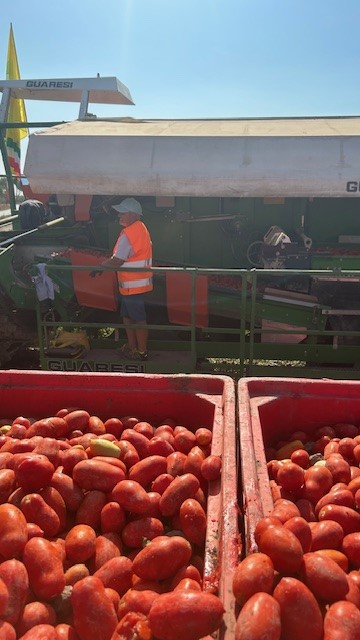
[
  {"x": 193, "y": 400},
  {"x": 271, "y": 409}
]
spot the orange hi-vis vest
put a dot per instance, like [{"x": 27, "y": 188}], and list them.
[{"x": 132, "y": 282}]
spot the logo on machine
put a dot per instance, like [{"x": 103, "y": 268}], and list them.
[
  {"x": 353, "y": 186},
  {"x": 91, "y": 367},
  {"x": 49, "y": 84}
]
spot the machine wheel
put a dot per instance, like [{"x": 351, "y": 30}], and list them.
[{"x": 254, "y": 253}]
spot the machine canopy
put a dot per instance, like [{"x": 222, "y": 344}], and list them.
[{"x": 280, "y": 157}]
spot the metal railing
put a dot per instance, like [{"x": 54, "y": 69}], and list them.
[{"x": 244, "y": 347}]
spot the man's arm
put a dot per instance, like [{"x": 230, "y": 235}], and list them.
[
  {"x": 112, "y": 262},
  {"x": 109, "y": 262}
]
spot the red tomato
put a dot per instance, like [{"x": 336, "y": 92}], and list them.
[
  {"x": 290, "y": 476},
  {"x": 351, "y": 548},
  {"x": 342, "y": 622},
  {"x": 318, "y": 481},
  {"x": 324, "y": 577},
  {"x": 263, "y": 524},
  {"x": 283, "y": 548},
  {"x": 255, "y": 573},
  {"x": 301, "y": 457},
  {"x": 326, "y": 534},
  {"x": 185, "y": 615},
  {"x": 259, "y": 618},
  {"x": 300, "y": 528},
  {"x": 300, "y": 613},
  {"x": 13, "y": 531}
]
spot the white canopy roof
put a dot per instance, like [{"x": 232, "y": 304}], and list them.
[{"x": 277, "y": 157}]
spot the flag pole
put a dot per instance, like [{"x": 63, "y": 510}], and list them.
[{"x": 16, "y": 113}]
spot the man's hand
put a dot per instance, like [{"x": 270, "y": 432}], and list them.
[{"x": 95, "y": 273}]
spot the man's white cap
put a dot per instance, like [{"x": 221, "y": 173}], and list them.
[{"x": 129, "y": 205}]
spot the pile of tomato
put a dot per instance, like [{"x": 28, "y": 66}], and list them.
[
  {"x": 103, "y": 529},
  {"x": 304, "y": 580}
]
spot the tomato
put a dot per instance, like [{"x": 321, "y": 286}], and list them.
[
  {"x": 346, "y": 447},
  {"x": 97, "y": 475},
  {"x": 300, "y": 457},
  {"x": 44, "y": 567},
  {"x": 203, "y": 436},
  {"x": 339, "y": 468},
  {"x": 135, "y": 531},
  {"x": 68, "y": 489},
  {"x": 345, "y": 430},
  {"x": 114, "y": 426},
  {"x": 146, "y": 470},
  {"x": 181, "y": 488},
  {"x": 326, "y": 534},
  {"x": 336, "y": 555},
  {"x": 36, "y": 510},
  {"x": 161, "y": 483},
  {"x": 80, "y": 543},
  {"x": 66, "y": 632},
  {"x": 112, "y": 517},
  {"x": 351, "y": 548},
  {"x": 193, "y": 521},
  {"x": 93, "y": 612},
  {"x": 35, "y": 613},
  {"x": 162, "y": 558},
  {"x": 116, "y": 573},
  {"x": 318, "y": 482},
  {"x": 34, "y": 472},
  {"x": 348, "y": 519},
  {"x": 301, "y": 529},
  {"x": 89, "y": 511},
  {"x": 145, "y": 428},
  {"x": 211, "y": 467},
  {"x": 185, "y": 615},
  {"x": 75, "y": 573},
  {"x": 175, "y": 463},
  {"x": 284, "y": 510},
  {"x": 131, "y": 496},
  {"x": 255, "y": 573},
  {"x": 7, "y": 631},
  {"x": 287, "y": 448},
  {"x": 194, "y": 461},
  {"x": 13, "y": 531},
  {"x": 342, "y": 497},
  {"x": 342, "y": 622},
  {"x": 133, "y": 626},
  {"x": 259, "y": 618},
  {"x": 283, "y": 548},
  {"x": 107, "y": 546},
  {"x": 324, "y": 577},
  {"x": 188, "y": 571},
  {"x": 263, "y": 524},
  {"x": 43, "y": 631},
  {"x": 138, "y": 440},
  {"x": 300, "y": 613},
  {"x": 306, "y": 510},
  {"x": 159, "y": 446},
  {"x": 78, "y": 419},
  {"x": 140, "y": 601}
]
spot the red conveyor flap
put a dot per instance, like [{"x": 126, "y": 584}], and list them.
[
  {"x": 99, "y": 292},
  {"x": 178, "y": 299}
]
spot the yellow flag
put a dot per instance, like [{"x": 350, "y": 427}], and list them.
[{"x": 16, "y": 113}]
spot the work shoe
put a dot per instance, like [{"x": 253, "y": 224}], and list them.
[{"x": 127, "y": 353}]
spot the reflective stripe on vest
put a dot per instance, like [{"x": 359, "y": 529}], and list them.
[{"x": 133, "y": 282}]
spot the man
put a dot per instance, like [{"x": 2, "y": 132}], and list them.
[
  {"x": 32, "y": 213},
  {"x": 132, "y": 249}
]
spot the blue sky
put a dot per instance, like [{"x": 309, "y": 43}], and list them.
[{"x": 194, "y": 58}]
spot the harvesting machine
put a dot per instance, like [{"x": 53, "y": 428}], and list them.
[{"x": 255, "y": 228}]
